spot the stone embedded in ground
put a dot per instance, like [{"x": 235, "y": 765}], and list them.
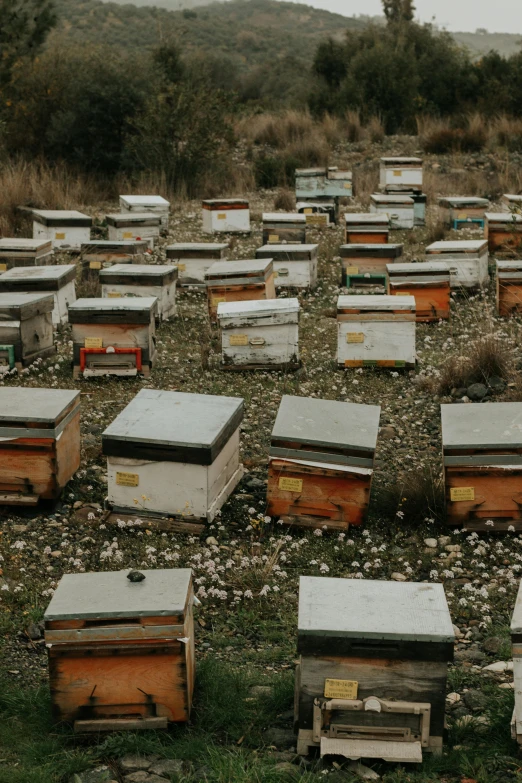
[
  {"x": 387, "y": 433},
  {"x": 281, "y": 738},
  {"x": 167, "y": 767},
  {"x": 475, "y": 700},
  {"x": 362, "y": 771},
  {"x": 34, "y": 632},
  {"x": 398, "y": 577},
  {"x": 477, "y": 391},
  {"x": 496, "y": 384},
  {"x": 497, "y": 668},
  {"x": 453, "y": 698},
  {"x": 493, "y": 644},
  {"x": 143, "y": 777},
  {"x": 431, "y": 542},
  {"x": 131, "y": 763},
  {"x": 255, "y": 482},
  {"x": 100, "y": 774},
  {"x": 473, "y": 656},
  {"x": 211, "y": 541},
  {"x": 507, "y": 685}
]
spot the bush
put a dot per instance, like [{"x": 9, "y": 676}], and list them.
[
  {"x": 485, "y": 358},
  {"x": 440, "y": 136},
  {"x": 285, "y": 199}
]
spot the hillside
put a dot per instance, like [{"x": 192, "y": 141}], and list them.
[{"x": 478, "y": 44}]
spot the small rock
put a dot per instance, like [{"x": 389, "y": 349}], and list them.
[
  {"x": 453, "y": 698},
  {"x": 443, "y": 540},
  {"x": 261, "y": 690},
  {"x": 387, "y": 433},
  {"x": 56, "y": 553},
  {"x": 143, "y": 777},
  {"x": 167, "y": 767},
  {"x": 431, "y": 542},
  {"x": 211, "y": 541},
  {"x": 458, "y": 633},
  {"x": 130, "y": 763},
  {"x": 255, "y": 482},
  {"x": 496, "y": 384},
  {"x": 78, "y": 504},
  {"x": 398, "y": 577},
  {"x": 362, "y": 771},
  {"x": 497, "y": 668},
  {"x": 493, "y": 645},
  {"x": 473, "y": 656},
  {"x": 507, "y": 685},
  {"x": 477, "y": 391},
  {"x": 20, "y": 528},
  {"x": 475, "y": 700},
  {"x": 281, "y": 738},
  {"x": 97, "y": 775},
  {"x": 452, "y": 548}
]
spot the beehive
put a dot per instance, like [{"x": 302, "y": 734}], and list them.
[
  {"x": 365, "y": 265},
  {"x": 483, "y": 465},
  {"x": 155, "y": 204},
  {"x": 338, "y": 183},
  {"x": 226, "y": 216},
  {"x": 177, "y": 453},
  {"x": 512, "y": 201},
  {"x": 516, "y": 651},
  {"x": 401, "y": 173},
  {"x": 371, "y": 682},
  {"x": 284, "y": 227},
  {"x": 24, "y": 252},
  {"x": 234, "y": 281},
  {"x": 134, "y": 225},
  {"x": 295, "y": 266},
  {"x": 467, "y": 259},
  {"x": 113, "y": 336},
  {"x": 459, "y": 211},
  {"x": 310, "y": 183},
  {"x": 319, "y": 214},
  {"x": 376, "y": 331},
  {"x": 57, "y": 281},
  {"x": 101, "y": 254},
  {"x": 509, "y": 287},
  {"x": 366, "y": 228},
  {"x": 261, "y": 334},
  {"x": 321, "y": 462},
  {"x": 39, "y": 443},
  {"x": 428, "y": 283},
  {"x": 26, "y": 329},
  {"x": 121, "y": 652},
  {"x": 399, "y": 207},
  {"x": 159, "y": 280},
  {"x": 66, "y": 229},
  {"x": 503, "y": 231},
  {"x": 193, "y": 259}
]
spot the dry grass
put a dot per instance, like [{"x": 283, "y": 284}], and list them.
[
  {"x": 437, "y": 232},
  {"x": 366, "y": 182},
  {"x": 285, "y": 199},
  {"x": 485, "y": 358},
  {"x": 375, "y": 130},
  {"x": 507, "y": 132},
  {"x": 439, "y": 136}
]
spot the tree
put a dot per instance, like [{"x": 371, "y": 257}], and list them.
[
  {"x": 24, "y": 25},
  {"x": 397, "y": 11}
]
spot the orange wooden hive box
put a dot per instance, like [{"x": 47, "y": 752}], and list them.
[
  {"x": 509, "y": 287},
  {"x": 366, "y": 228},
  {"x": 482, "y": 448},
  {"x": 428, "y": 282},
  {"x": 503, "y": 231},
  {"x": 121, "y": 652},
  {"x": 39, "y": 443},
  {"x": 237, "y": 281},
  {"x": 321, "y": 462}
]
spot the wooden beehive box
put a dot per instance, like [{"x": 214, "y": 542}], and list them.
[
  {"x": 513, "y": 202},
  {"x": 482, "y": 447},
  {"x": 401, "y": 173},
  {"x": 159, "y": 280},
  {"x": 284, "y": 227},
  {"x": 155, "y": 204},
  {"x": 516, "y": 651},
  {"x": 238, "y": 281},
  {"x": 261, "y": 334},
  {"x": 26, "y": 329},
  {"x": 193, "y": 259},
  {"x": 319, "y": 214},
  {"x": 113, "y": 336},
  {"x": 321, "y": 462},
  {"x": 365, "y": 265},
  {"x": 338, "y": 183},
  {"x": 39, "y": 443},
  {"x": 428, "y": 282},
  {"x": 134, "y": 225},
  {"x": 509, "y": 287},
  {"x": 121, "y": 653},
  {"x": 101, "y": 254},
  {"x": 459, "y": 211},
  {"x": 295, "y": 266},
  {"x": 503, "y": 231},
  {"x": 371, "y": 682},
  {"x": 310, "y": 183},
  {"x": 376, "y": 331},
  {"x": 24, "y": 252},
  {"x": 66, "y": 229},
  {"x": 57, "y": 281},
  {"x": 365, "y": 228},
  {"x": 226, "y": 216},
  {"x": 400, "y": 208},
  {"x": 178, "y": 453},
  {"x": 467, "y": 259}
]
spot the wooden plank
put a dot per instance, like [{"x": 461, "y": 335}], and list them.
[{"x": 124, "y": 724}]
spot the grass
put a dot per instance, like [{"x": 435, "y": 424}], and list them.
[{"x": 485, "y": 358}]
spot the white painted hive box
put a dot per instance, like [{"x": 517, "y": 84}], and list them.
[
  {"x": 467, "y": 259},
  {"x": 66, "y": 229},
  {"x": 26, "y": 329},
  {"x": 226, "y": 216},
  {"x": 401, "y": 209},
  {"x": 310, "y": 183},
  {"x": 401, "y": 172},
  {"x": 134, "y": 225},
  {"x": 295, "y": 266},
  {"x": 24, "y": 252},
  {"x": 159, "y": 280},
  {"x": 193, "y": 259},
  {"x": 338, "y": 183},
  {"x": 156, "y": 204},
  {"x": 57, "y": 281}
]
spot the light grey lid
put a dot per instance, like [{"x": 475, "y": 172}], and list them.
[
  {"x": 335, "y": 173},
  {"x": 133, "y": 270},
  {"x": 38, "y": 272},
  {"x": 458, "y": 201},
  {"x": 377, "y": 198},
  {"x": 421, "y": 267},
  {"x": 163, "y": 592},
  {"x": 133, "y": 217},
  {"x": 283, "y": 217},
  {"x": 515, "y": 197},
  {"x": 458, "y": 246},
  {"x": 197, "y": 246},
  {"x": 373, "y": 609},
  {"x": 257, "y": 308},
  {"x": 289, "y": 248},
  {"x": 9, "y": 243},
  {"x": 393, "y": 160},
  {"x": 371, "y": 302},
  {"x": 42, "y": 405},
  {"x": 11, "y": 300},
  {"x": 310, "y": 172},
  {"x": 516, "y": 620},
  {"x": 237, "y": 268},
  {"x": 110, "y": 243},
  {"x": 66, "y": 214},
  {"x": 145, "y": 201},
  {"x": 509, "y": 266},
  {"x": 365, "y": 217},
  {"x": 223, "y": 203},
  {"x": 503, "y": 217},
  {"x": 496, "y": 424},
  {"x": 133, "y": 303},
  {"x": 327, "y": 423},
  {"x": 325, "y": 203}
]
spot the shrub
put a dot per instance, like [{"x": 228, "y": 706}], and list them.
[
  {"x": 375, "y": 130},
  {"x": 485, "y": 358},
  {"x": 285, "y": 199},
  {"x": 440, "y": 137}
]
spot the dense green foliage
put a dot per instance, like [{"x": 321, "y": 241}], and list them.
[{"x": 24, "y": 25}]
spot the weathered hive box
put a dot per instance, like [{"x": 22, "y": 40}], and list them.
[
  {"x": 156, "y": 204},
  {"x": 371, "y": 682},
  {"x": 57, "y": 281},
  {"x": 101, "y": 254},
  {"x": 193, "y": 259},
  {"x": 503, "y": 231},
  {"x": 400, "y": 208},
  {"x": 124, "y": 280},
  {"x": 482, "y": 448},
  {"x": 39, "y": 443},
  {"x": 428, "y": 282},
  {"x": 235, "y": 281},
  {"x": 338, "y": 183},
  {"x": 26, "y": 329},
  {"x": 419, "y": 204},
  {"x": 365, "y": 265},
  {"x": 24, "y": 252},
  {"x": 509, "y": 287},
  {"x": 467, "y": 259},
  {"x": 259, "y": 334},
  {"x": 401, "y": 173},
  {"x": 66, "y": 229},
  {"x": 113, "y": 336},
  {"x": 516, "y": 647},
  {"x": 178, "y": 453},
  {"x": 310, "y": 183},
  {"x": 376, "y": 331},
  {"x": 458, "y": 211},
  {"x": 364, "y": 228},
  {"x": 134, "y": 225},
  {"x": 321, "y": 462},
  {"x": 295, "y": 266},
  {"x": 512, "y": 201},
  {"x": 226, "y": 216},
  {"x": 284, "y": 227},
  {"x": 318, "y": 214},
  {"x": 121, "y": 653}
]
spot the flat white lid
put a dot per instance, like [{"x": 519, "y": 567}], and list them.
[
  {"x": 371, "y": 302},
  {"x": 60, "y": 213},
  {"x": 289, "y": 248},
  {"x": 11, "y": 243},
  {"x": 283, "y": 217},
  {"x": 395, "y": 199},
  {"x": 122, "y": 303},
  {"x": 37, "y": 272},
  {"x": 19, "y": 404},
  {"x": 145, "y": 201},
  {"x": 197, "y": 246},
  {"x": 257, "y": 307},
  {"x": 236, "y": 268},
  {"x": 401, "y": 160},
  {"x": 461, "y": 245},
  {"x": 428, "y": 266},
  {"x": 478, "y": 424},
  {"x": 131, "y": 270}
]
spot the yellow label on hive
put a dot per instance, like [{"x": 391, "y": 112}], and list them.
[
  {"x": 291, "y": 484},
  {"x": 217, "y": 299},
  {"x": 127, "y": 479},
  {"x": 318, "y": 219},
  {"x": 308, "y": 211},
  {"x": 59, "y": 235},
  {"x": 400, "y": 293},
  {"x": 113, "y": 295},
  {"x": 462, "y": 216},
  {"x": 352, "y": 270},
  {"x": 238, "y": 339},
  {"x": 94, "y": 342},
  {"x": 340, "y": 689},
  {"x": 221, "y": 216},
  {"x": 347, "y": 185},
  {"x": 273, "y": 237},
  {"x": 3, "y": 268},
  {"x": 128, "y": 235},
  {"x": 462, "y": 493},
  {"x": 354, "y": 337},
  {"x": 397, "y": 173},
  {"x": 95, "y": 265},
  {"x": 181, "y": 267}
]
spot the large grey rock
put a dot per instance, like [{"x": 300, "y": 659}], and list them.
[
  {"x": 100, "y": 774},
  {"x": 493, "y": 645},
  {"x": 287, "y": 768},
  {"x": 167, "y": 767},
  {"x": 473, "y": 656},
  {"x": 141, "y": 776},
  {"x": 475, "y": 700},
  {"x": 477, "y": 391},
  {"x": 281, "y": 738},
  {"x": 131, "y": 763}
]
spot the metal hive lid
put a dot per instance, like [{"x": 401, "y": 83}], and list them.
[
  {"x": 224, "y": 202},
  {"x": 372, "y": 249},
  {"x": 237, "y": 268},
  {"x": 11, "y": 302},
  {"x": 135, "y": 270},
  {"x": 145, "y": 201},
  {"x": 372, "y": 609},
  {"x": 366, "y": 217},
  {"x": 299, "y": 252},
  {"x": 508, "y": 266},
  {"x": 392, "y": 160},
  {"x": 283, "y": 217},
  {"x": 517, "y": 197},
  {"x": 197, "y": 246},
  {"x": 503, "y": 217},
  {"x": 420, "y": 267},
  {"x": 110, "y": 243},
  {"x": 66, "y": 214},
  {"x": 458, "y": 246},
  {"x": 491, "y": 425},
  {"x": 379, "y": 302},
  {"x": 459, "y": 201},
  {"x": 37, "y": 273},
  {"x": 9, "y": 243},
  {"x": 132, "y": 217},
  {"x": 257, "y": 308},
  {"x": 19, "y": 404},
  {"x": 133, "y": 303},
  {"x": 397, "y": 198},
  {"x": 163, "y": 592}
]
